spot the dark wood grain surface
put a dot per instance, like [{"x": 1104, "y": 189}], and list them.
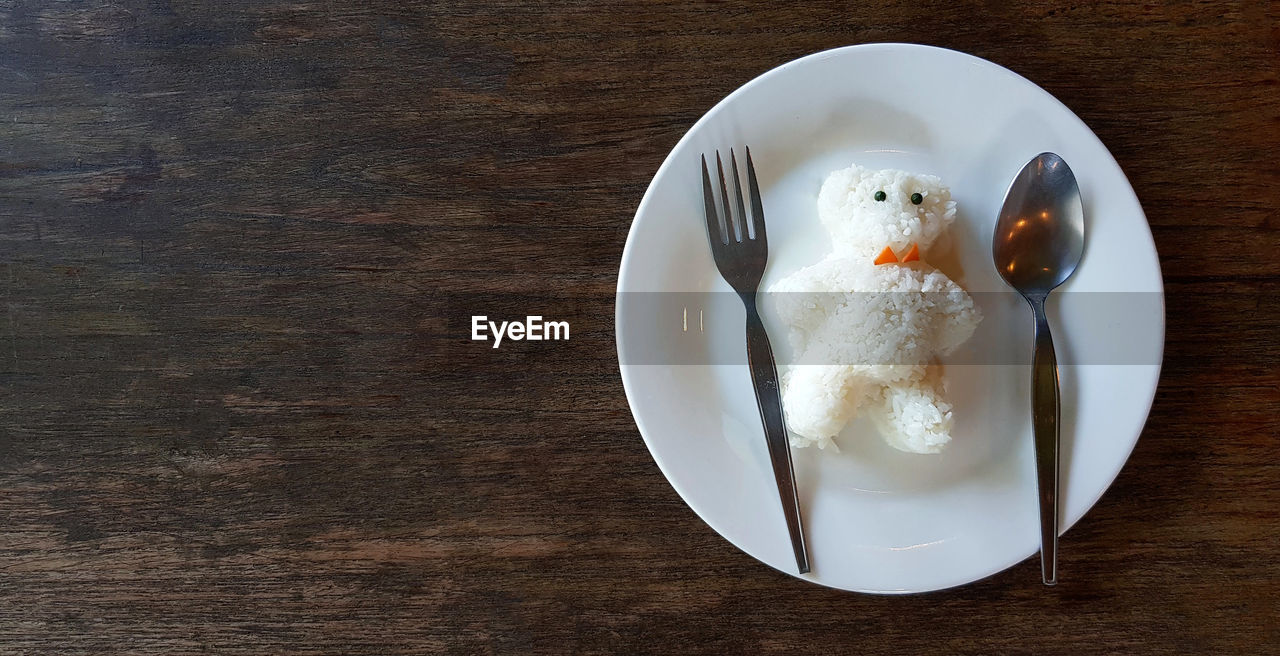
[{"x": 240, "y": 414}]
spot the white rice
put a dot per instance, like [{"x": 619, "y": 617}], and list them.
[
  {"x": 860, "y": 224},
  {"x": 865, "y": 334}
]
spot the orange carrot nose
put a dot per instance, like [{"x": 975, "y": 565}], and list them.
[
  {"x": 912, "y": 255},
  {"x": 886, "y": 256}
]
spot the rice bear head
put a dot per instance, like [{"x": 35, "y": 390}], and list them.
[{"x": 866, "y": 210}]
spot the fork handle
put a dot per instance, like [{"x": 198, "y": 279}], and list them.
[
  {"x": 764, "y": 378},
  {"x": 1045, "y": 410}
]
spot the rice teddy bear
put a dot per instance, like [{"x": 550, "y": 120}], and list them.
[{"x": 869, "y": 319}]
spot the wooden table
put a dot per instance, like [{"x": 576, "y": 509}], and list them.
[{"x": 241, "y": 414}]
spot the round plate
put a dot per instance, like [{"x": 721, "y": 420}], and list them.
[{"x": 878, "y": 520}]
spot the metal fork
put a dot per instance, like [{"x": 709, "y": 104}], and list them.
[{"x": 741, "y": 253}]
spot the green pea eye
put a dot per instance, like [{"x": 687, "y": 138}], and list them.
[
  {"x": 917, "y": 199},
  {"x": 880, "y": 195}
]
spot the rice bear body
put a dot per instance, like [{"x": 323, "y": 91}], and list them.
[{"x": 869, "y": 319}]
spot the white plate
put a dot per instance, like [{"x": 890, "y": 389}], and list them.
[{"x": 878, "y": 520}]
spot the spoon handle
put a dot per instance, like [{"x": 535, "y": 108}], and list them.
[{"x": 1044, "y": 413}]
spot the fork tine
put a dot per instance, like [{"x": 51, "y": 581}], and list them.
[
  {"x": 757, "y": 207},
  {"x": 742, "y": 222},
  {"x": 715, "y": 226},
  {"x": 731, "y": 225}
]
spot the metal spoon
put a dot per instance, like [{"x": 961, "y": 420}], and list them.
[{"x": 1038, "y": 241}]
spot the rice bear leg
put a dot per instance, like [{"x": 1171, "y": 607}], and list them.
[
  {"x": 913, "y": 416},
  {"x": 819, "y": 400}
]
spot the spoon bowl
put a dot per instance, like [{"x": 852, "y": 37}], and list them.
[{"x": 1039, "y": 236}]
